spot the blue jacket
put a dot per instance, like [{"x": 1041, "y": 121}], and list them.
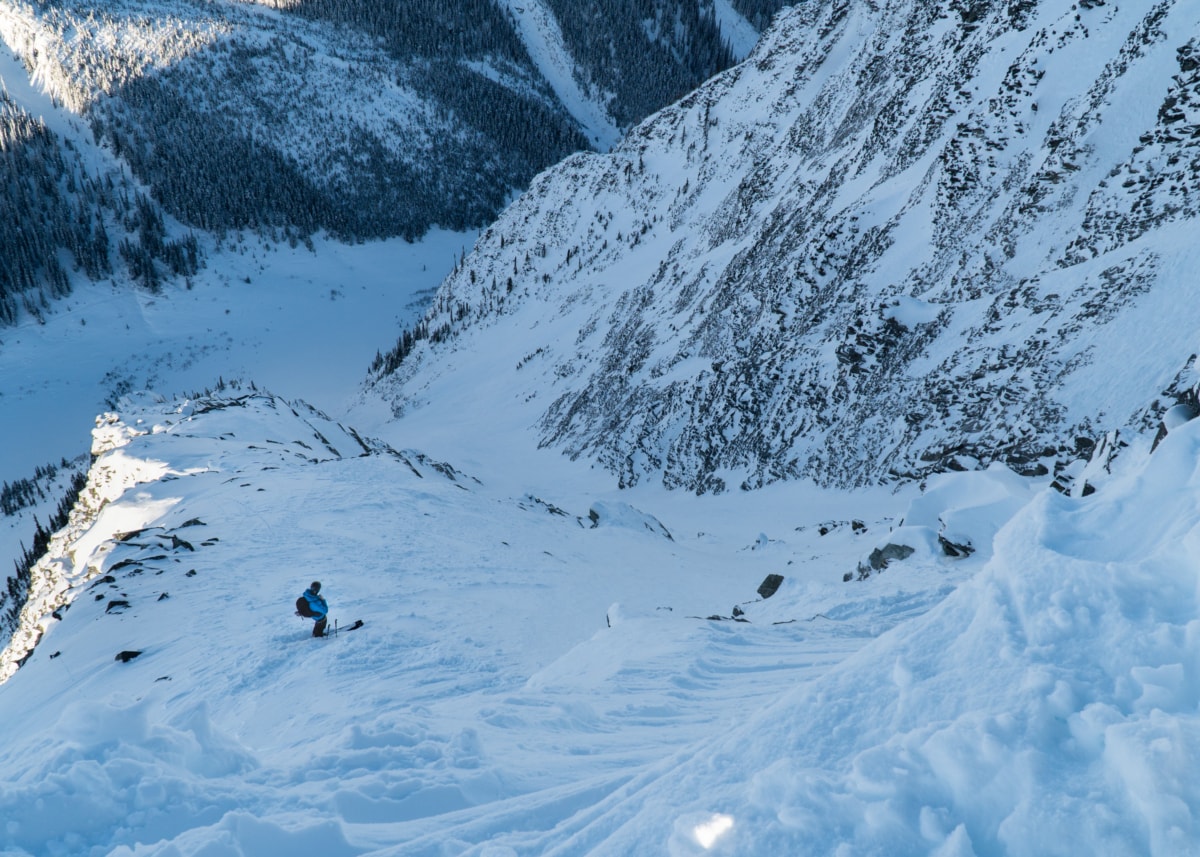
[{"x": 316, "y": 603}]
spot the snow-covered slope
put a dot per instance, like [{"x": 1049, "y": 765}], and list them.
[
  {"x": 1048, "y": 706},
  {"x": 900, "y": 237},
  {"x": 537, "y": 674},
  {"x": 201, "y": 518}
]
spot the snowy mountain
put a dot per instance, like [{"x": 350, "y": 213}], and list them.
[
  {"x": 901, "y": 237},
  {"x": 188, "y": 149},
  {"x": 140, "y": 142},
  {"x": 915, "y": 273}
]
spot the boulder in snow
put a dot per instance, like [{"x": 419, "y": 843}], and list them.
[{"x": 770, "y": 585}]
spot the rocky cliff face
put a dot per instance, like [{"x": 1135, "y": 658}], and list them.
[{"x": 900, "y": 237}]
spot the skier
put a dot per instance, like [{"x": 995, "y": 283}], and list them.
[{"x": 317, "y": 608}]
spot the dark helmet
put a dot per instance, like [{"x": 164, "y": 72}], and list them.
[{"x": 316, "y": 587}]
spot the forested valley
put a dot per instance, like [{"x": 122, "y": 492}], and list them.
[{"x": 288, "y": 118}]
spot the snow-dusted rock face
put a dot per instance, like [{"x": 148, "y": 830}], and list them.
[{"x": 900, "y": 237}]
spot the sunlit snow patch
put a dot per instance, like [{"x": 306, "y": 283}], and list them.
[
  {"x": 705, "y": 829},
  {"x": 710, "y": 831},
  {"x": 910, "y": 312}
]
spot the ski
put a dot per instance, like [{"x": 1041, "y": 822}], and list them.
[
  {"x": 358, "y": 623},
  {"x": 332, "y": 630}
]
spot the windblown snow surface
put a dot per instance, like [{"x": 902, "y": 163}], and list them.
[{"x": 538, "y": 673}]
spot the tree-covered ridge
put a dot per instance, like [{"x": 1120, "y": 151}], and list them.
[
  {"x": 43, "y": 209},
  {"x": 55, "y": 487},
  {"x": 434, "y": 29},
  {"x": 361, "y": 119},
  {"x": 242, "y": 137}
]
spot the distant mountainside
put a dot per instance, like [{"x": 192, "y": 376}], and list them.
[
  {"x": 358, "y": 118},
  {"x": 901, "y": 237}
]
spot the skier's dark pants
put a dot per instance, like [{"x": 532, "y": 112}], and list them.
[{"x": 319, "y": 628}]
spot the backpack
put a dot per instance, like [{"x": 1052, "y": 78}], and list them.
[{"x": 302, "y": 607}]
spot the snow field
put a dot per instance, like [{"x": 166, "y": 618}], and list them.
[
  {"x": 518, "y": 682},
  {"x": 1059, "y": 685},
  {"x": 309, "y": 321},
  {"x": 521, "y": 686}
]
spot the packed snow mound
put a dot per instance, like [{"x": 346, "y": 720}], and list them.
[
  {"x": 617, "y": 514},
  {"x": 900, "y": 238}
]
